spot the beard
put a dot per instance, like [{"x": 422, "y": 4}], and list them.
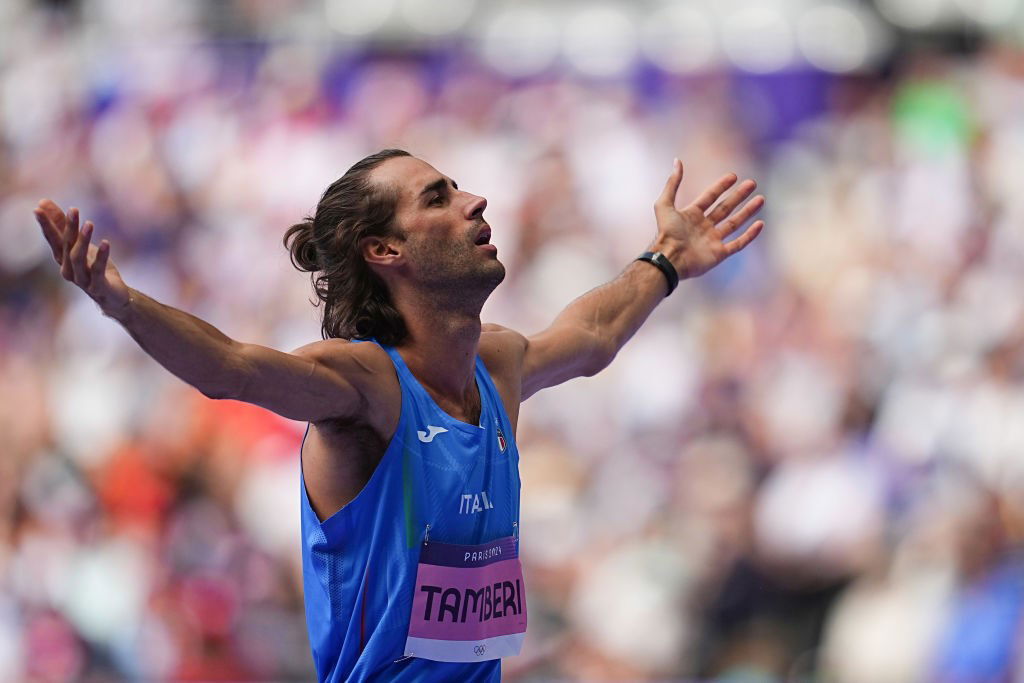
[{"x": 456, "y": 271}]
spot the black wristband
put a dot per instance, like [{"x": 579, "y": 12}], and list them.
[{"x": 664, "y": 265}]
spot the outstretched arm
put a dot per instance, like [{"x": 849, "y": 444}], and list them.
[
  {"x": 309, "y": 384},
  {"x": 585, "y": 337}
]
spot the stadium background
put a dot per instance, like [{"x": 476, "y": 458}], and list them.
[{"x": 809, "y": 464}]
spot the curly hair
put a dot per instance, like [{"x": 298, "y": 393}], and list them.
[{"x": 357, "y": 304}]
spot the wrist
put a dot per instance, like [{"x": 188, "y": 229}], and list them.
[
  {"x": 674, "y": 251},
  {"x": 119, "y": 311},
  {"x": 659, "y": 261}
]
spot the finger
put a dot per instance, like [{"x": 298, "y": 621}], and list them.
[
  {"x": 70, "y": 235},
  {"x": 743, "y": 240},
  {"x": 667, "y": 199},
  {"x": 78, "y": 254},
  {"x": 55, "y": 214},
  {"x": 742, "y": 216},
  {"x": 726, "y": 206},
  {"x": 712, "y": 194},
  {"x": 50, "y": 234},
  {"x": 98, "y": 269}
]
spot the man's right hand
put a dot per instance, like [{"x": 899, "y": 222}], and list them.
[{"x": 85, "y": 264}]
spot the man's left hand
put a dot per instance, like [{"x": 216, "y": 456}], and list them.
[{"x": 694, "y": 238}]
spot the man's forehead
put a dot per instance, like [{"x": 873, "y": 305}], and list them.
[{"x": 408, "y": 175}]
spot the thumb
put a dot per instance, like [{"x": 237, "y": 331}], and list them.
[{"x": 668, "y": 195}]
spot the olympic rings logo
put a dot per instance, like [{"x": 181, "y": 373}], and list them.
[{"x": 479, "y": 650}]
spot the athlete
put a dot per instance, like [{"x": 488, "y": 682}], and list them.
[{"x": 410, "y": 483}]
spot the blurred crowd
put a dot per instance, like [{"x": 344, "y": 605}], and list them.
[{"x": 807, "y": 466}]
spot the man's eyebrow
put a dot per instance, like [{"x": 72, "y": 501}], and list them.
[{"x": 440, "y": 186}]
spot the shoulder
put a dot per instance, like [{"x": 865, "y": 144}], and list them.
[
  {"x": 501, "y": 345},
  {"x": 497, "y": 332},
  {"x": 502, "y": 351},
  {"x": 341, "y": 353},
  {"x": 366, "y": 366}
]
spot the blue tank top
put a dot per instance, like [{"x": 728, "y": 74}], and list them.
[{"x": 359, "y": 566}]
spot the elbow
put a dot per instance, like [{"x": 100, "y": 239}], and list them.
[
  {"x": 231, "y": 382},
  {"x": 216, "y": 393}
]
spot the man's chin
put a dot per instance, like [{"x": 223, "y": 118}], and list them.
[{"x": 496, "y": 271}]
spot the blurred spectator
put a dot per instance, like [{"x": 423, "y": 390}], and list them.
[{"x": 825, "y": 476}]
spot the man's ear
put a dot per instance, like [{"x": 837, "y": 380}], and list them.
[{"x": 380, "y": 251}]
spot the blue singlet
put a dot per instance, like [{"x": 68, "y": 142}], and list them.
[{"x": 359, "y": 566}]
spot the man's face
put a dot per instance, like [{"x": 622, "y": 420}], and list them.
[{"x": 447, "y": 241}]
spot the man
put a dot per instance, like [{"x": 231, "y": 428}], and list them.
[{"x": 410, "y": 486}]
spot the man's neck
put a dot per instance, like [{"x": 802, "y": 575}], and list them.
[{"x": 441, "y": 349}]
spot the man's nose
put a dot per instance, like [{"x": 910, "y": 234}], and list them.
[{"x": 475, "y": 207}]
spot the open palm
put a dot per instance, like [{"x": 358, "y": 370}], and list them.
[
  {"x": 85, "y": 264},
  {"x": 701, "y": 230}
]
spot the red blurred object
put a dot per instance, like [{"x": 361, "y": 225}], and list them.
[{"x": 131, "y": 490}]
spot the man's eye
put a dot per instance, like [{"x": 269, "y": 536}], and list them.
[{"x": 438, "y": 200}]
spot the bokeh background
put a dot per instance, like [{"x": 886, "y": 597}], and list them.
[{"x": 807, "y": 466}]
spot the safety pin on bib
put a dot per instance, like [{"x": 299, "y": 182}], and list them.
[{"x": 426, "y": 535}]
